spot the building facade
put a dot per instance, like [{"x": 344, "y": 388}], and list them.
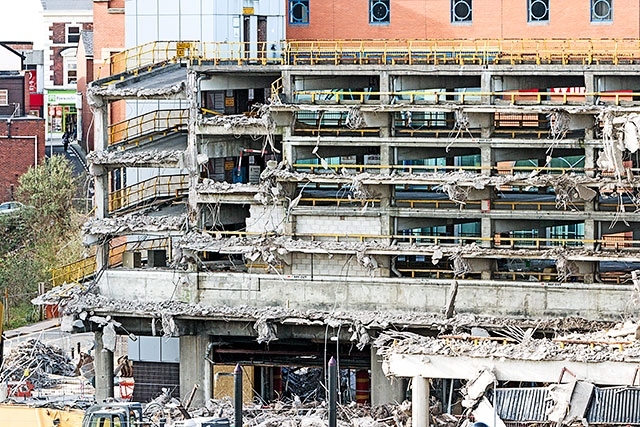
[
  {"x": 66, "y": 20},
  {"x": 388, "y": 162}
]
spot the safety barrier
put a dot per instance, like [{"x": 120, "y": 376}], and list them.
[
  {"x": 438, "y": 97},
  {"x": 389, "y": 52},
  {"x": 76, "y": 271},
  {"x": 147, "y": 126},
  {"x": 162, "y": 186}
]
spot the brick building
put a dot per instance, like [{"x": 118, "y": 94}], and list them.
[{"x": 66, "y": 19}]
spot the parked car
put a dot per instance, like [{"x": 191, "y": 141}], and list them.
[{"x": 10, "y": 207}]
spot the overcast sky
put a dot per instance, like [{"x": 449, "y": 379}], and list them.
[{"x": 22, "y": 21}]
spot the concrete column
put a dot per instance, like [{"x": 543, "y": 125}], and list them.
[
  {"x": 194, "y": 369},
  {"x": 385, "y": 88},
  {"x": 487, "y": 231},
  {"x": 590, "y": 86},
  {"x": 103, "y": 359},
  {"x": 287, "y": 87},
  {"x": 191, "y": 155},
  {"x": 101, "y": 141},
  {"x": 486, "y": 159},
  {"x": 386, "y": 158},
  {"x": 420, "y": 402},
  {"x": 590, "y": 160},
  {"x": 589, "y": 234},
  {"x": 485, "y": 87},
  {"x": 382, "y": 389}
]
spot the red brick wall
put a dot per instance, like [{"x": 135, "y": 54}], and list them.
[
  {"x": 420, "y": 19},
  {"x": 17, "y": 154},
  {"x": 108, "y": 38}
]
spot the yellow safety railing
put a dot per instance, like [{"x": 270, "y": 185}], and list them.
[
  {"x": 74, "y": 272},
  {"x": 276, "y": 89},
  {"x": 497, "y": 240},
  {"x": 162, "y": 186},
  {"x": 147, "y": 56},
  {"x": 317, "y": 201},
  {"x": 147, "y": 126},
  {"x": 428, "y": 97},
  {"x": 433, "y": 51},
  {"x": 416, "y": 169}
]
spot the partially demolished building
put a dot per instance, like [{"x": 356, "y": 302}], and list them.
[{"x": 308, "y": 197}]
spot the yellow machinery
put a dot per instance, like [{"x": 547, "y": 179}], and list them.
[{"x": 25, "y": 416}]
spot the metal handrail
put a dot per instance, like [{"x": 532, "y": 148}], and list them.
[
  {"x": 76, "y": 271},
  {"x": 470, "y": 97},
  {"x": 430, "y": 51},
  {"x": 130, "y": 131},
  {"x": 161, "y": 186}
]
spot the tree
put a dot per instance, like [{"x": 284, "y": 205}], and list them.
[{"x": 40, "y": 237}]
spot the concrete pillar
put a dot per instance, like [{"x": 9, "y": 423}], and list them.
[
  {"x": 385, "y": 88},
  {"x": 487, "y": 231},
  {"x": 287, "y": 87},
  {"x": 589, "y": 234},
  {"x": 420, "y": 402},
  {"x": 101, "y": 141},
  {"x": 386, "y": 159},
  {"x": 486, "y": 159},
  {"x": 485, "y": 87},
  {"x": 590, "y": 160},
  {"x": 103, "y": 359},
  {"x": 384, "y": 390},
  {"x": 590, "y": 86},
  {"x": 194, "y": 369}
]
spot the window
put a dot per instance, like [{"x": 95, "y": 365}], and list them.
[
  {"x": 601, "y": 10},
  {"x": 538, "y": 10},
  {"x": 73, "y": 34},
  {"x": 4, "y": 97},
  {"x": 461, "y": 11},
  {"x": 298, "y": 11},
  {"x": 70, "y": 66},
  {"x": 379, "y": 12}
]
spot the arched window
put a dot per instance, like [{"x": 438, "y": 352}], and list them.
[{"x": 69, "y": 66}]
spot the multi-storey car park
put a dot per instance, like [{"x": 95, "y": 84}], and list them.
[{"x": 421, "y": 209}]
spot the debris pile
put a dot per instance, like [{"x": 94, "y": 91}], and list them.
[
  {"x": 34, "y": 361},
  {"x": 209, "y": 186},
  {"x": 299, "y": 412},
  {"x": 133, "y": 223},
  {"x": 94, "y": 92},
  {"x": 576, "y": 347},
  {"x": 136, "y": 158}
]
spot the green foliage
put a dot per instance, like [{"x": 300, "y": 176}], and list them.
[
  {"x": 40, "y": 237},
  {"x": 49, "y": 188}
]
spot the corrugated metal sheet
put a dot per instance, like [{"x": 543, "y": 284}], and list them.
[
  {"x": 615, "y": 405},
  {"x": 522, "y": 404}
]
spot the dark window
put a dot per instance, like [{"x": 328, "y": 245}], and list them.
[
  {"x": 601, "y": 10},
  {"x": 379, "y": 12},
  {"x": 298, "y": 11},
  {"x": 73, "y": 34},
  {"x": 461, "y": 11},
  {"x": 538, "y": 10}
]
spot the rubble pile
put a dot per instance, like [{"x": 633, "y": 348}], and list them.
[
  {"x": 34, "y": 361},
  {"x": 298, "y": 413},
  {"x": 209, "y": 186},
  {"x": 135, "y": 158},
  {"x": 577, "y": 347},
  {"x": 133, "y": 223},
  {"x": 94, "y": 92}
]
